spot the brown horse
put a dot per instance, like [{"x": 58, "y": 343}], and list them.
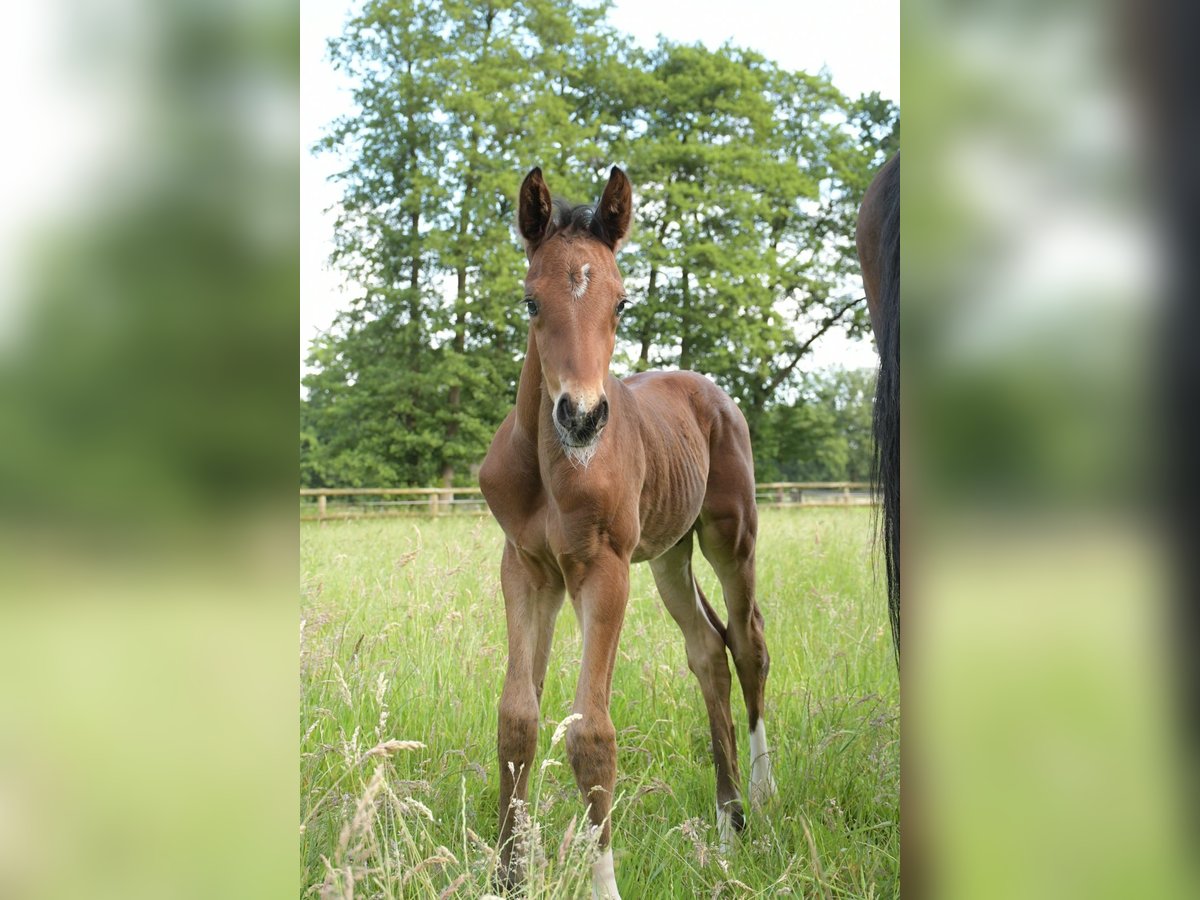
[
  {"x": 878, "y": 241},
  {"x": 589, "y": 474}
]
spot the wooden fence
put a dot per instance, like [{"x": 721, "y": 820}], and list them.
[{"x": 352, "y": 503}]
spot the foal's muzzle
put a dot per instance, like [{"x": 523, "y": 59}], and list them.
[{"x": 580, "y": 427}]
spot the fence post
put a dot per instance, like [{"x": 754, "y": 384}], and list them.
[
  {"x": 846, "y": 495},
  {"x": 321, "y": 507},
  {"x": 433, "y": 504}
]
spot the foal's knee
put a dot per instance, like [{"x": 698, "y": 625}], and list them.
[
  {"x": 591, "y": 743},
  {"x": 517, "y": 734},
  {"x": 592, "y": 749}
]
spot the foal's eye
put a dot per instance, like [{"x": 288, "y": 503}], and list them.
[
  {"x": 622, "y": 306},
  {"x": 531, "y": 305}
]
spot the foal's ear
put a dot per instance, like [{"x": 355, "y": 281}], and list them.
[
  {"x": 615, "y": 210},
  {"x": 534, "y": 209}
]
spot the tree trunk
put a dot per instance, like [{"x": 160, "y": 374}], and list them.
[
  {"x": 413, "y": 163},
  {"x": 685, "y": 339},
  {"x": 414, "y": 274},
  {"x": 454, "y": 399},
  {"x": 643, "y": 362},
  {"x": 647, "y": 335}
]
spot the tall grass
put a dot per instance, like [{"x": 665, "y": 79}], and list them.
[{"x": 402, "y": 655}]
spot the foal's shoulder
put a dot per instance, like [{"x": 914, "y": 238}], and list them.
[{"x": 508, "y": 462}]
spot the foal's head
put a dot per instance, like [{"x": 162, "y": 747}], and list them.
[{"x": 575, "y": 297}]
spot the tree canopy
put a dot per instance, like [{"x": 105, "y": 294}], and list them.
[{"x": 747, "y": 181}]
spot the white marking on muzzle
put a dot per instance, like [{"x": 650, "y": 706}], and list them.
[{"x": 579, "y": 457}]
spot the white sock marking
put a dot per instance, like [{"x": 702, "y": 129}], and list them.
[
  {"x": 762, "y": 781},
  {"x": 604, "y": 879},
  {"x": 724, "y": 830}
]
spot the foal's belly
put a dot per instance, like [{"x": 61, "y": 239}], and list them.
[
  {"x": 662, "y": 523},
  {"x": 665, "y": 520},
  {"x": 653, "y": 549}
]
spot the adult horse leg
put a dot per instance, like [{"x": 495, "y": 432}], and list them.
[
  {"x": 707, "y": 660},
  {"x": 533, "y": 595},
  {"x": 728, "y": 531},
  {"x": 600, "y": 592}
]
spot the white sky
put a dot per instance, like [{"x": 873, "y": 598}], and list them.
[{"x": 857, "y": 41}]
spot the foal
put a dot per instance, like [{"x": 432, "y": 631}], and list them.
[{"x": 589, "y": 474}]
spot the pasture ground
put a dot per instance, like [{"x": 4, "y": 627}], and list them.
[{"x": 402, "y": 639}]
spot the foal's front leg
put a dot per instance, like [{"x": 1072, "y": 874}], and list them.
[
  {"x": 533, "y": 595},
  {"x": 600, "y": 591}
]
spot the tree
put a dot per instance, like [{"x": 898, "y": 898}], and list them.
[
  {"x": 750, "y": 181},
  {"x": 824, "y": 434},
  {"x": 747, "y": 179},
  {"x": 455, "y": 100}
]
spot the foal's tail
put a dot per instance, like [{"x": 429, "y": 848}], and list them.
[
  {"x": 886, "y": 414},
  {"x": 711, "y": 614}
]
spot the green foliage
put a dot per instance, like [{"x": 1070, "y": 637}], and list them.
[
  {"x": 747, "y": 179},
  {"x": 824, "y": 434}
]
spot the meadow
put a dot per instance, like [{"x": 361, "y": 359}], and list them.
[{"x": 402, "y": 656}]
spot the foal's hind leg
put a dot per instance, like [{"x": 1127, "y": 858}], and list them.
[
  {"x": 707, "y": 660},
  {"x": 728, "y": 532}
]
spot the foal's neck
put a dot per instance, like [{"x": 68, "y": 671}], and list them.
[{"x": 529, "y": 390}]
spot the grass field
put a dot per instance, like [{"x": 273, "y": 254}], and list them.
[{"x": 402, "y": 640}]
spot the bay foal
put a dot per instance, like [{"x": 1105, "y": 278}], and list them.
[{"x": 589, "y": 474}]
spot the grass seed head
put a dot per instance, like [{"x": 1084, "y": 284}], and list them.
[
  {"x": 387, "y": 748},
  {"x": 561, "y": 730}
]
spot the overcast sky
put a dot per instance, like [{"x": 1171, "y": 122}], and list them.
[{"x": 857, "y": 41}]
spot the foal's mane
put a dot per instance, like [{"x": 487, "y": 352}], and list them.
[{"x": 575, "y": 219}]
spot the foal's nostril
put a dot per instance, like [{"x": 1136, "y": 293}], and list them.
[
  {"x": 600, "y": 414},
  {"x": 563, "y": 412}
]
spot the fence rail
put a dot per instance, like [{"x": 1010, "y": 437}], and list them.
[{"x": 349, "y": 503}]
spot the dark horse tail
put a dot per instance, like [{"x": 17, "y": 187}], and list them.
[{"x": 886, "y": 415}]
